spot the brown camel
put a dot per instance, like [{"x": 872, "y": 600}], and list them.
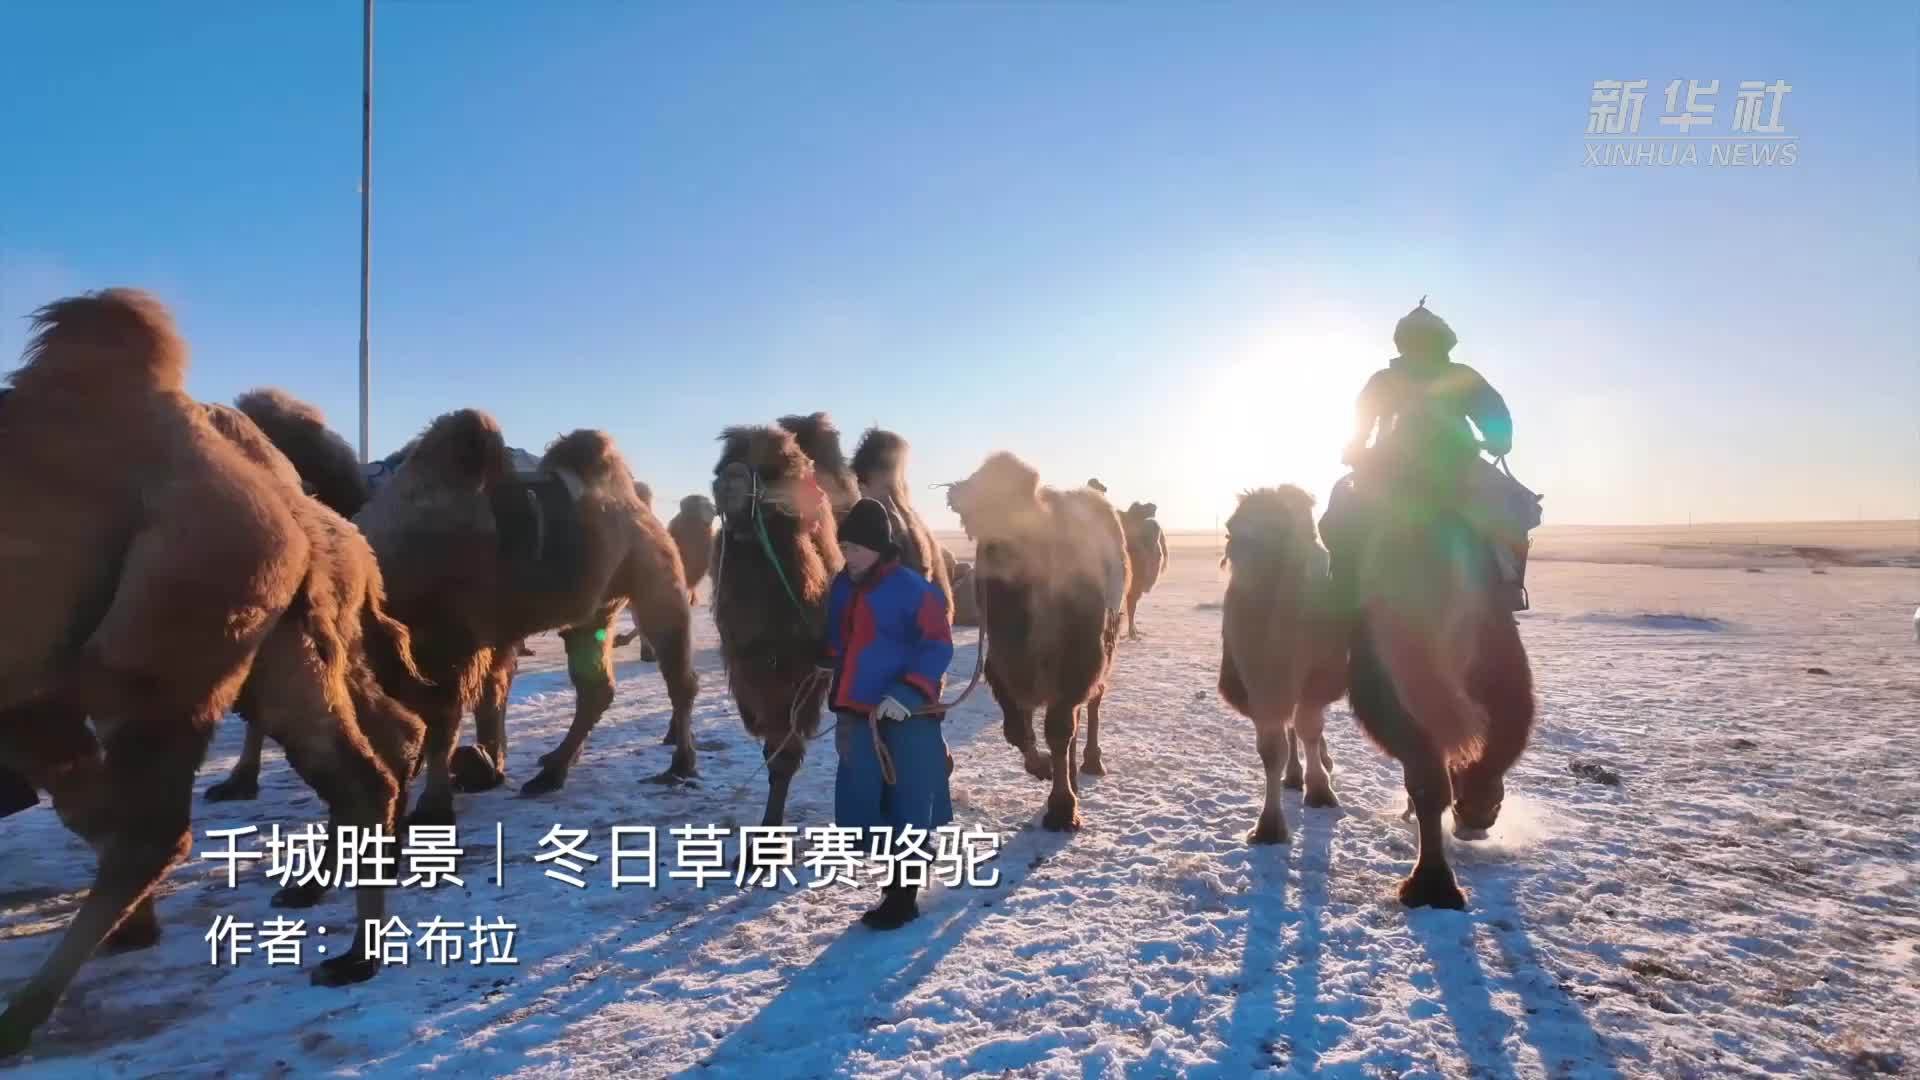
[
  {"x": 168, "y": 573},
  {"x": 477, "y": 558},
  {"x": 1050, "y": 574},
  {"x": 1438, "y": 675},
  {"x": 1146, "y": 552},
  {"x": 880, "y": 469},
  {"x": 966, "y": 606},
  {"x": 1283, "y": 646},
  {"x": 692, "y": 533},
  {"x": 774, "y": 560}
]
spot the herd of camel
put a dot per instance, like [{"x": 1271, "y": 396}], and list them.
[{"x": 165, "y": 561}]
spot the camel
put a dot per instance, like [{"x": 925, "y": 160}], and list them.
[
  {"x": 775, "y": 558},
  {"x": 1050, "y": 575},
  {"x": 644, "y": 493},
  {"x": 1283, "y": 649},
  {"x": 692, "y": 533},
  {"x": 966, "y": 606},
  {"x": 1438, "y": 676},
  {"x": 478, "y": 557},
  {"x": 169, "y": 577},
  {"x": 1146, "y": 552},
  {"x": 880, "y": 470}
]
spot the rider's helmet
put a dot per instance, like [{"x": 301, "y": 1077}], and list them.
[{"x": 1424, "y": 335}]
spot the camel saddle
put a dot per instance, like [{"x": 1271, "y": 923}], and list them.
[{"x": 542, "y": 539}]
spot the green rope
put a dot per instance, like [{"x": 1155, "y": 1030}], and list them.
[{"x": 766, "y": 545}]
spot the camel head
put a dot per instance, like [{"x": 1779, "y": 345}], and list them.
[
  {"x": 880, "y": 463},
  {"x": 764, "y": 469},
  {"x": 1141, "y": 511},
  {"x": 1000, "y": 494},
  {"x": 1269, "y": 525},
  {"x": 699, "y": 508}
]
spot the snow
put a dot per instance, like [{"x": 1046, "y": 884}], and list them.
[{"x": 1743, "y": 903}]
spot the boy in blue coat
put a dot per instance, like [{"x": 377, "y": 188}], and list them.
[{"x": 889, "y": 643}]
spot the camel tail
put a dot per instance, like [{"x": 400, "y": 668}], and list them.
[
  {"x": 592, "y": 457},
  {"x": 389, "y": 646},
  {"x": 324, "y": 460},
  {"x": 96, "y": 342}
]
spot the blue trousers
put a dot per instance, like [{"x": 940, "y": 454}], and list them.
[{"x": 862, "y": 798}]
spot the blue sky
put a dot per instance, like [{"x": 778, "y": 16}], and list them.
[{"x": 1163, "y": 244}]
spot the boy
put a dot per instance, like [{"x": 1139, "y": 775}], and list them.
[{"x": 889, "y": 644}]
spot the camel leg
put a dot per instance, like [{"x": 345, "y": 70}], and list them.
[
  {"x": 1432, "y": 883},
  {"x": 1091, "y": 764},
  {"x": 1063, "y": 806},
  {"x": 1270, "y": 737},
  {"x": 590, "y": 667},
  {"x": 244, "y": 781},
  {"x": 435, "y": 806},
  {"x": 1133, "y": 604},
  {"x": 485, "y": 767},
  {"x": 1017, "y": 725},
  {"x": 1293, "y": 779},
  {"x": 783, "y": 761},
  {"x": 145, "y": 828},
  {"x": 1309, "y": 731},
  {"x": 676, "y": 668}
]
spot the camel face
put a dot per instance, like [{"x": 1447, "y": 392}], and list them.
[
  {"x": 765, "y": 470},
  {"x": 1267, "y": 522},
  {"x": 999, "y": 493}
]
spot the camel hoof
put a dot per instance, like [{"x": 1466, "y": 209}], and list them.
[
  {"x": 1062, "y": 818},
  {"x": 1040, "y": 766},
  {"x": 430, "y": 815},
  {"x": 1293, "y": 780},
  {"x": 131, "y": 936},
  {"x": 234, "y": 789},
  {"x": 1092, "y": 766},
  {"x": 299, "y": 896},
  {"x": 548, "y": 781},
  {"x": 669, "y": 738},
  {"x": 647, "y": 655},
  {"x": 1435, "y": 890},
  {"x": 472, "y": 770},
  {"x": 1321, "y": 799},
  {"x": 1271, "y": 829},
  {"x": 345, "y": 971}
]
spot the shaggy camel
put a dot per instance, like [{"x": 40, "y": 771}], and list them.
[
  {"x": 477, "y": 558},
  {"x": 1283, "y": 646},
  {"x": 481, "y": 558},
  {"x": 774, "y": 560},
  {"x": 880, "y": 470},
  {"x": 966, "y": 605},
  {"x": 692, "y": 533},
  {"x": 1437, "y": 673},
  {"x": 1050, "y": 574},
  {"x": 1146, "y": 552},
  {"x": 169, "y": 573}
]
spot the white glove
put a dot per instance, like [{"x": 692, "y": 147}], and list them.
[{"x": 890, "y": 709}]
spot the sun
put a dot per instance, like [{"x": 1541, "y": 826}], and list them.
[{"x": 1282, "y": 410}]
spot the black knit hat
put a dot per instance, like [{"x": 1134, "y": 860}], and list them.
[{"x": 868, "y": 525}]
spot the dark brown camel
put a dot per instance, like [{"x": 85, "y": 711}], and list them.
[
  {"x": 774, "y": 560},
  {"x": 1146, "y": 553},
  {"x": 160, "y": 576},
  {"x": 1283, "y": 655},
  {"x": 1438, "y": 676},
  {"x": 1050, "y": 574}
]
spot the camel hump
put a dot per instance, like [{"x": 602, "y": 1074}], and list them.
[
  {"x": 590, "y": 455},
  {"x": 97, "y": 341},
  {"x": 461, "y": 446},
  {"x": 324, "y": 460}
]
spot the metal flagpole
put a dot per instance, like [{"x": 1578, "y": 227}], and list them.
[{"x": 366, "y": 213}]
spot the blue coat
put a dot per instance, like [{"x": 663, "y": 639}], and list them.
[{"x": 888, "y": 636}]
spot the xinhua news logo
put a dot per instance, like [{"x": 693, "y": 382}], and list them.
[{"x": 1687, "y": 134}]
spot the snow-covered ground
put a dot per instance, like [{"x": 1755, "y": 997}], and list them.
[{"x": 1744, "y": 901}]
